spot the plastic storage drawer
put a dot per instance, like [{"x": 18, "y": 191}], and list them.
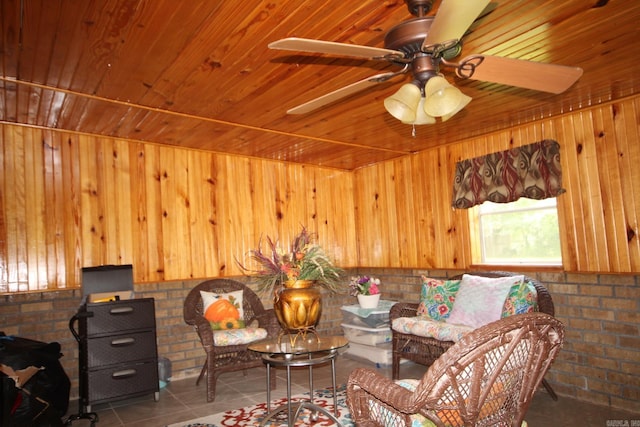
[
  {"x": 367, "y": 336},
  {"x": 366, "y": 317},
  {"x": 123, "y": 380},
  {"x": 380, "y": 354}
]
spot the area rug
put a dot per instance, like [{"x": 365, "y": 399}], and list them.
[{"x": 253, "y": 415}]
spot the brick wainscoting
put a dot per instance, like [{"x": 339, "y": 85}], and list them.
[{"x": 600, "y": 362}]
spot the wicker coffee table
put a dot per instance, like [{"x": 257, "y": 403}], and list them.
[{"x": 309, "y": 351}]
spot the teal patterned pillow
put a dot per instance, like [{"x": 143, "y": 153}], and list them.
[
  {"x": 521, "y": 299},
  {"x": 437, "y": 297},
  {"x": 417, "y": 420}
]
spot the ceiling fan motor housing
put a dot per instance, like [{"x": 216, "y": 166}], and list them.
[
  {"x": 423, "y": 68},
  {"x": 408, "y": 36}
]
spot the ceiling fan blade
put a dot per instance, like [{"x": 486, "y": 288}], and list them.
[
  {"x": 551, "y": 78},
  {"x": 478, "y": 21},
  {"x": 341, "y": 93},
  {"x": 487, "y": 10},
  {"x": 333, "y": 48},
  {"x": 453, "y": 19}
]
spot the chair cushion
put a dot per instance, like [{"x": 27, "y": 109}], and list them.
[
  {"x": 418, "y": 420},
  {"x": 423, "y": 327},
  {"x": 437, "y": 297},
  {"x": 521, "y": 299},
  {"x": 223, "y": 311},
  {"x": 238, "y": 336},
  {"x": 480, "y": 300}
]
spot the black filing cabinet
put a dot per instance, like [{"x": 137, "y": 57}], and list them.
[{"x": 118, "y": 352}]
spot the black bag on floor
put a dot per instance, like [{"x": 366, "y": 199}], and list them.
[{"x": 43, "y": 399}]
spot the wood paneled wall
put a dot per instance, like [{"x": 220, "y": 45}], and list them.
[
  {"x": 404, "y": 218},
  {"x": 69, "y": 200},
  {"x": 404, "y": 209}
]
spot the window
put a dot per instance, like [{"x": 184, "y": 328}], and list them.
[{"x": 522, "y": 232}]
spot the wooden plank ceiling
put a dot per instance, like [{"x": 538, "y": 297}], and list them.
[{"x": 199, "y": 74}]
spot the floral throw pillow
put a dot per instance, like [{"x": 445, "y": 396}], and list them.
[
  {"x": 223, "y": 311},
  {"x": 522, "y": 298},
  {"x": 437, "y": 297}
]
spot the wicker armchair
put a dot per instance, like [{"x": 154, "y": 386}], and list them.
[
  {"x": 487, "y": 378},
  {"x": 228, "y": 358},
  {"x": 425, "y": 350}
]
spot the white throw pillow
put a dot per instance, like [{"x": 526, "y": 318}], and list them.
[{"x": 480, "y": 299}]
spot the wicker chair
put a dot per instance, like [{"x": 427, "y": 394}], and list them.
[
  {"x": 487, "y": 378},
  {"x": 229, "y": 358},
  {"x": 425, "y": 350}
]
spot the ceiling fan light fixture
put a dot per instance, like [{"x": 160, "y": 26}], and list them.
[
  {"x": 421, "y": 117},
  {"x": 441, "y": 98},
  {"x": 463, "y": 103},
  {"x": 404, "y": 103}
]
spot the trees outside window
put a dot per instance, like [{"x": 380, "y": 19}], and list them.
[{"x": 522, "y": 232}]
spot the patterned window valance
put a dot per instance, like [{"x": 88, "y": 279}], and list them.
[{"x": 531, "y": 171}]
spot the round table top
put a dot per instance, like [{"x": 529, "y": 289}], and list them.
[{"x": 311, "y": 343}]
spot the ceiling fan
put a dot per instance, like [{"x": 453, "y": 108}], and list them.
[{"x": 424, "y": 45}]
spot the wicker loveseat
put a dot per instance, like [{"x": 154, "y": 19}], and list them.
[{"x": 426, "y": 350}]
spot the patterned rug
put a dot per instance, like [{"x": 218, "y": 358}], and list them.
[{"x": 253, "y": 415}]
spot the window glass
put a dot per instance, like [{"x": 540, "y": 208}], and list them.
[{"x": 522, "y": 232}]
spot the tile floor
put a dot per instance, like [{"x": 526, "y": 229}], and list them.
[{"x": 182, "y": 400}]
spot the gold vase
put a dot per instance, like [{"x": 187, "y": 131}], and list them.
[{"x": 298, "y": 305}]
